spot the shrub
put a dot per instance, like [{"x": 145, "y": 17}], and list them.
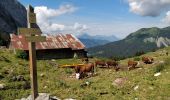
[
  {"x": 21, "y": 54},
  {"x": 136, "y": 59}
]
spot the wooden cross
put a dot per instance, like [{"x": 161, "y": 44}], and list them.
[{"x": 32, "y": 35}]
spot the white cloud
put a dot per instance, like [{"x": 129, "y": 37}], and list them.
[
  {"x": 45, "y": 12},
  {"x": 75, "y": 28},
  {"x": 167, "y": 18},
  {"x": 148, "y": 7},
  {"x": 80, "y": 27},
  {"x": 46, "y": 15}
]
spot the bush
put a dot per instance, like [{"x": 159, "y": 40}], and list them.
[
  {"x": 136, "y": 59},
  {"x": 21, "y": 54}
]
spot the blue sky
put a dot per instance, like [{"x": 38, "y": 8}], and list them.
[{"x": 99, "y": 17}]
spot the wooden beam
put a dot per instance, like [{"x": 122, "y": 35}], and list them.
[
  {"x": 33, "y": 69},
  {"x": 29, "y": 31},
  {"x": 32, "y": 18},
  {"x": 32, "y": 55},
  {"x": 35, "y": 38}
]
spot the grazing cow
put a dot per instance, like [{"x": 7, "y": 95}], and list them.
[
  {"x": 147, "y": 60},
  {"x": 132, "y": 64},
  {"x": 112, "y": 63},
  {"x": 100, "y": 63},
  {"x": 83, "y": 69}
]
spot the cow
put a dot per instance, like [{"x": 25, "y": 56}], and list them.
[
  {"x": 112, "y": 63},
  {"x": 100, "y": 63},
  {"x": 132, "y": 64},
  {"x": 81, "y": 70},
  {"x": 147, "y": 60}
]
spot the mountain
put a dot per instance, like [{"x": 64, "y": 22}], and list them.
[
  {"x": 143, "y": 40},
  {"x": 91, "y": 41},
  {"x": 12, "y": 16},
  {"x": 99, "y": 37}
]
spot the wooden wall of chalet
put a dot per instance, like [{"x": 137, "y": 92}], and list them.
[
  {"x": 80, "y": 53},
  {"x": 59, "y": 54}
]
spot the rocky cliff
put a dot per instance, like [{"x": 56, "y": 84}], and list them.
[{"x": 12, "y": 16}]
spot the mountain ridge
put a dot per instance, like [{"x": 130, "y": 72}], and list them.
[
  {"x": 134, "y": 42},
  {"x": 12, "y": 15},
  {"x": 91, "y": 41},
  {"x": 110, "y": 38}
]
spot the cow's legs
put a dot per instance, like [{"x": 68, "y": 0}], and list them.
[{"x": 78, "y": 75}]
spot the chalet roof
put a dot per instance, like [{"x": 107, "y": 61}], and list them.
[{"x": 59, "y": 41}]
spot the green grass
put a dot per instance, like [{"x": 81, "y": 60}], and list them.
[{"x": 57, "y": 82}]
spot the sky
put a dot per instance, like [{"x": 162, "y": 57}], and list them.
[{"x": 100, "y": 17}]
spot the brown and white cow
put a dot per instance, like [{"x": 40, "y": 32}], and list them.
[
  {"x": 112, "y": 63},
  {"x": 147, "y": 60},
  {"x": 81, "y": 70},
  {"x": 132, "y": 64}
]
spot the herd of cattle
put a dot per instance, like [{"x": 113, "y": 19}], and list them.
[{"x": 89, "y": 67}]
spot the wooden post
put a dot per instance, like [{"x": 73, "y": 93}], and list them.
[
  {"x": 32, "y": 59},
  {"x": 33, "y": 69},
  {"x": 32, "y": 36}
]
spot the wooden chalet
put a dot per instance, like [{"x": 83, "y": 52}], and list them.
[{"x": 56, "y": 46}]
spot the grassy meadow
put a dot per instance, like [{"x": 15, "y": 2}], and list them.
[{"x": 57, "y": 81}]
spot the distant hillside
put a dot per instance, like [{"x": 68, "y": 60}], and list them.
[
  {"x": 91, "y": 41},
  {"x": 145, "y": 39}
]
